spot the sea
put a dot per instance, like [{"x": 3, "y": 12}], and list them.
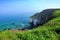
[{"x": 13, "y": 21}]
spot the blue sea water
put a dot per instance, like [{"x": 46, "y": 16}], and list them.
[{"x": 14, "y": 21}]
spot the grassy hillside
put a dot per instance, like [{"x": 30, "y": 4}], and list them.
[{"x": 48, "y": 31}]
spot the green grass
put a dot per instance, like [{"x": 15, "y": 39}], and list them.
[{"x": 44, "y": 32}]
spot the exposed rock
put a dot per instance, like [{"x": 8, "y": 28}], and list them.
[{"x": 41, "y": 17}]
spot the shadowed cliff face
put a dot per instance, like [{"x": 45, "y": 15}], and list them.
[
  {"x": 40, "y": 18},
  {"x": 43, "y": 16}
]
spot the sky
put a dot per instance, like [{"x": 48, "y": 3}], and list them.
[{"x": 21, "y": 6}]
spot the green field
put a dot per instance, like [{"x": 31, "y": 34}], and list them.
[{"x": 48, "y": 31}]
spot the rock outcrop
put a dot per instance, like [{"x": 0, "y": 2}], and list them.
[{"x": 41, "y": 18}]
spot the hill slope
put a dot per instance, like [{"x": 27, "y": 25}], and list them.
[{"x": 49, "y": 31}]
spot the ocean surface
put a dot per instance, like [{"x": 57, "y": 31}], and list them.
[{"x": 14, "y": 21}]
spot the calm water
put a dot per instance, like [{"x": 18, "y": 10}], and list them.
[{"x": 14, "y": 21}]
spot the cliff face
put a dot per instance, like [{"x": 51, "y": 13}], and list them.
[{"x": 43, "y": 16}]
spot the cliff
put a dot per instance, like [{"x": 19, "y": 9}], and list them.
[{"x": 45, "y": 15}]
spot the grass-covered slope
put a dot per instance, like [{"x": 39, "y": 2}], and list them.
[{"x": 48, "y": 31}]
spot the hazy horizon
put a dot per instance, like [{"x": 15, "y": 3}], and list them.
[{"x": 24, "y": 8}]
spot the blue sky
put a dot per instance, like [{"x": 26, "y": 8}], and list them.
[{"x": 21, "y": 6}]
